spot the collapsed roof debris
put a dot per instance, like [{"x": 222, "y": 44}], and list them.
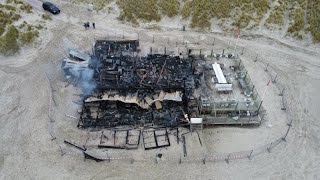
[
  {"x": 130, "y": 89},
  {"x": 122, "y": 88}
]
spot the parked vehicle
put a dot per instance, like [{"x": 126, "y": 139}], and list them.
[{"x": 48, "y": 6}]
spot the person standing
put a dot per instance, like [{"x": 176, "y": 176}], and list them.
[
  {"x": 94, "y": 25},
  {"x": 85, "y": 26}
]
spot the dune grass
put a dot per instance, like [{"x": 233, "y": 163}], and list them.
[
  {"x": 9, "y": 41},
  {"x": 13, "y": 32},
  {"x": 313, "y": 18},
  {"x": 169, "y": 8},
  {"x": 276, "y": 17},
  {"x": 132, "y": 11},
  {"x": 186, "y": 9}
]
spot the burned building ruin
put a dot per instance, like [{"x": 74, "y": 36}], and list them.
[{"x": 123, "y": 88}]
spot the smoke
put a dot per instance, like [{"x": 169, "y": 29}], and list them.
[{"x": 82, "y": 76}]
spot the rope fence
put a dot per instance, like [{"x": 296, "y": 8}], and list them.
[{"x": 208, "y": 157}]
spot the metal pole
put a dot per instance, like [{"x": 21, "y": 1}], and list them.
[
  {"x": 267, "y": 68},
  {"x": 285, "y": 136},
  {"x": 235, "y": 47},
  {"x": 265, "y": 90},
  {"x": 256, "y": 59},
  {"x": 269, "y": 148},
  {"x": 184, "y": 146},
  {"x": 260, "y": 106},
  {"x": 249, "y": 157},
  {"x": 227, "y": 159},
  {"x": 275, "y": 78},
  {"x": 282, "y": 92}
]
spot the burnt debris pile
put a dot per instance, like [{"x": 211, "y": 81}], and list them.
[{"x": 134, "y": 90}]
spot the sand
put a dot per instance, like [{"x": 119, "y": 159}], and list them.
[{"x": 27, "y": 151}]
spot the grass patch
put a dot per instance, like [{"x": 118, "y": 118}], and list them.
[
  {"x": 276, "y": 17},
  {"x": 39, "y": 27},
  {"x": 7, "y": 7},
  {"x": 46, "y": 17},
  {"x": 9, "y": 41},
  {"x": 298, "y": 22},
  {"x": 15, "y": 2},
  {"x": 26, "y": 8},
  {"x": 153, "y": 27},
  {"x": 313, "y": 18},
  {"x": 243, "y": 21},
  {"x": 11, "y": 36},
  {"x": 169, "y": 8},
  {"x": 146, "y": 10},
  {"x": 28, "y": 37},
  {"x": 186, "y": 9}
]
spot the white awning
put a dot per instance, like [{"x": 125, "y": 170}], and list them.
[
  {"x": 219, "y": 74},
  {"x": 224, "y": 87},
  {"x": 196, "y": 120}
]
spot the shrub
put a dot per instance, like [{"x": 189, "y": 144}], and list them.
[
  {"x": 186, "y": 9},
  {"x": 28, "y": 37},
  {"x": 313, "y": 18},
  {"x": 276, "y": 16},
  {"x": 39, "y": 26},
  {"x": 298, "y": 22},
  {"x": 169, "y": 8},
  {"x": 1, "y": 30},
  {"x": 22, "y": 25},
  {"x": 26, "y": 8},
  {"x": 46, "y": 17},
  {"x": 7, "y": 7},
  {"x": 141, "y": 9},
  {"x": 8, "y": 42}
]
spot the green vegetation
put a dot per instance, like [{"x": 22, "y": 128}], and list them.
[
  {"x": 298, "y": 23},
  {"x": 39, "y": 26},
  {"x": 28, "y": 37},
  {"x": 243, "y": 21},
  {"x": 201, "y": 15},
  {"x": 243, "y": 14},
  {"x": 169, "y": 8},
  {"x": 46, "y": 17},
  {"x": 9, "y": 41},
  {"x": 13, "y": 33},
  {"x": 313, "y": 18},
  {"x": 26, "y": 8},
  {"x": 186, "y": 9},
  {"x": 14, "y": 2},
  {"x": 146, "y": 10},
  {"x": 276, "y": 16}
]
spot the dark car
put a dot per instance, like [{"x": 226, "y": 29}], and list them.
[{"x": 51, "y": 8}]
